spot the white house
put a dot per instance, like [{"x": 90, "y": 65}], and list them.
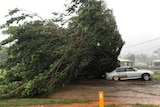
[
  {"x": 125, "y": 62},
  {"x": 155, "y": 64}
]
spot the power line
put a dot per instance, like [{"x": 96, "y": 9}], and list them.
[
  {"x": 145, "y": 50},
  {"x": 142, "y": 43}
]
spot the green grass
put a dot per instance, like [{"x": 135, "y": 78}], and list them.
[
  {"x": 157, "y": 74},
  {"x": 25, "y": 102}
]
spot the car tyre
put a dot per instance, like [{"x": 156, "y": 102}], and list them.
[
  {"x": 116, "y": 78},
  {"x": 146, "y": 77}
]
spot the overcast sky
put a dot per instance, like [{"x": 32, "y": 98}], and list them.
[{"x": 138, "y": 20}]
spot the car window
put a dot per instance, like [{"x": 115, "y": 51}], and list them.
[
  {"x": 130, "y": 69},
  {"x": 121, "y": 70}
]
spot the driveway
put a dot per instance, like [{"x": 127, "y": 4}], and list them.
[{"x": 121, "y": 92}]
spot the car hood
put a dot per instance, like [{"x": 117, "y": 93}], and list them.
[{"x": 146, "y": 71}]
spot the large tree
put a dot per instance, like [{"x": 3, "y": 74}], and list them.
[
  {"x": 44, "y": 56},
  {"x": 97, "y": 23}
]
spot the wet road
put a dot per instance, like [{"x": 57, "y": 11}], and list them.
[{"x": 123, "y": 92}]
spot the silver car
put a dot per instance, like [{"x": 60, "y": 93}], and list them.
[{"x": 123, "y": 73}]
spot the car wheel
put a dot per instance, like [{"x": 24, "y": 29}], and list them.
[
  {"x": 146, "y": 77},
  {"x": 116, "y": 78}
]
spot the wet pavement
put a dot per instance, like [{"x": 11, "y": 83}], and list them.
[{"x": 121, "y": 92}]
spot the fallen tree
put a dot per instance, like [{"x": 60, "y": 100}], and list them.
[{"x": 44, "y": 56}]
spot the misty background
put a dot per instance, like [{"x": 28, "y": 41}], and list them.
[{"x": 138, "y": 22}]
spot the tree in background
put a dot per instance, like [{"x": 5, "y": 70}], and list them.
[
  {"x": 157, "y": 52},
  {"x": 141, "y": 60},
  {"x": 44, "y": 56},
  {"x": 131, "y": 57}
]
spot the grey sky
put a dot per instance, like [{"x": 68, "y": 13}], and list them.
[{"x": 138, "y": 20}]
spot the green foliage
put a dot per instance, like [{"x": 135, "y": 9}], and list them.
[
  {"x": 44, "y": 56},
  {"x": 36, "y": 45},
  {"x": 3, "y": 54},
  {"x": 35, "y": 86},
  {"x": 97, "y": 24}
]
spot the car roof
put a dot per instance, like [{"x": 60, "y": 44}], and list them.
[{"x": 125, "y": 67}]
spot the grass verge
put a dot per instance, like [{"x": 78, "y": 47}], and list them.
[
  {"x": 26, "y": 102},
  {"x": 157, "y": 74}
]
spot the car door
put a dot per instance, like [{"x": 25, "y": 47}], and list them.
[
  {"x": 132, "y": 73},
  {"x": 122, "y": 73}
]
